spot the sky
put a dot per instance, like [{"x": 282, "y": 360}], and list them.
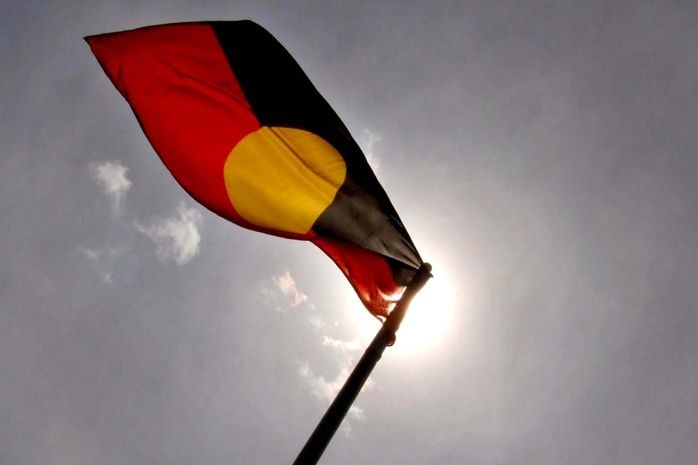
[{"x": 542, "y": 156}]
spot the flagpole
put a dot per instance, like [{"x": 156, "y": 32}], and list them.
[{"x": 321, "y": 437}]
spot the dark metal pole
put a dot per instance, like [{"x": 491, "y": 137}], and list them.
[{"x": 318, "y": 441}]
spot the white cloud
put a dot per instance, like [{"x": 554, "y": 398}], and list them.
[
  {"x": 317, "y": 323},
  {"x": 326, "y": 390},
  {"x": 102, "y": 260},
  {"x": 320, "y": 387},
  {"x": 91, "y": 255},
  {"x": 282, "y": 293},
  {"x": 111, "y": 176},
  {"x": 357, "y": 413},
  {"x": 178, "y": 237},
  {"x": 287, "y": 286},
  {"x": 371, "y": 139},
  {"x": 344, "y": 346}
]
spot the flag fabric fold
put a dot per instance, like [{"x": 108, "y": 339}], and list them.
[{"x": 244, "y": 131}]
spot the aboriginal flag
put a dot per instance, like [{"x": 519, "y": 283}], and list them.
[{"x": 245, "y": 132}]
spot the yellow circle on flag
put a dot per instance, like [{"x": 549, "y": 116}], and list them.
[{"x": 283, "y": 178}]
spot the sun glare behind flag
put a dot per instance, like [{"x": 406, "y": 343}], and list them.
[{"x": 245, "y": 132}]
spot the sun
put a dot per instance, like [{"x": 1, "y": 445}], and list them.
[
  {"x": 428, "y": 318},
  {"x": 429, "y": 322}
]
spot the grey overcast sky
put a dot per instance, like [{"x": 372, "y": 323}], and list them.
[{"x": 542, "y": 155}]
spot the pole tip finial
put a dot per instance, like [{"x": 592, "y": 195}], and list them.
[{"x": 392, "y": 324}]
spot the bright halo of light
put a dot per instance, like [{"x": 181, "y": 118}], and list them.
[{"x": 428, "y": 318}]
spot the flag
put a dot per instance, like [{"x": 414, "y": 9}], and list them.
[{"x": 243, "y": 130}]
